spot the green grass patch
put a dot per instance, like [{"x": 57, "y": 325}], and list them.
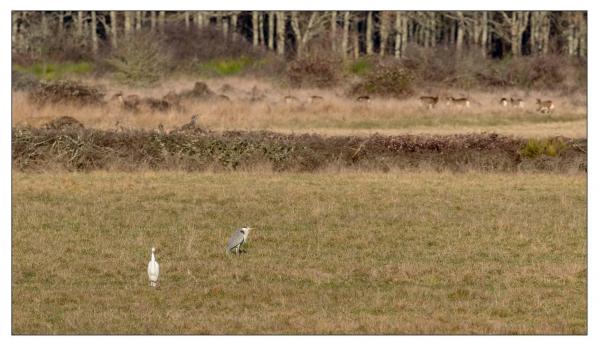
[
  {"x": 360, "y": 67},
  {"x": 53, "y": 71},
  {"x": 536, "y": 147},
  {"x": 226, "y": 67}
]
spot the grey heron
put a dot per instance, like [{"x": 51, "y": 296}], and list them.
[{"x": 238, "y": 238}]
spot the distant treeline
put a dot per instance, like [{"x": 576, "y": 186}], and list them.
[{"x": 350, "y": 34}]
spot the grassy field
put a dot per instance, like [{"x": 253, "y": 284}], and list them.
[
  {"x": 337, "y": 114},
  {"x": 367, "y": 253}
]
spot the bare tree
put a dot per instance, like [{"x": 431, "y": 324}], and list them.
[
  {"x": 261, "y": 28},
  {"x": 385, "y": 17},
  {"x": 333, "y": 30},
  {"x": 94, "y": 35},
  {"x": 255, "y": 28},
  {"x": 355, "y": 41},
  {"x": 484, "y": 33},
  {"x": 138, "y": 16},
  {"x": 15, "y": 30},
  {"x": 187, "y": 20},
  {"x": 153, "y": 20},
  {"x": 199, "y": 19},
  {"x": 127, "y": 23},
  {"x": 79, "y": 23},
  {"x": 271, "y": 30},
  {"x": 344, "y": 42},
  {"x": 114, "y": 29},
  {"x": 281, "y": 32},
  {"x": 161, "y": 20},
  {"x": 311, "y": 28},
  {"x": 225, "y": 25},
  {"x": 460, "y": 33},
  {"x": 512, "y": 28},
  {"x": 234, "y": 25},
  {"x": 369, "y": 45}
]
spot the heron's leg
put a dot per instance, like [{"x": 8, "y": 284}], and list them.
[{"x": 237, "y": 250}]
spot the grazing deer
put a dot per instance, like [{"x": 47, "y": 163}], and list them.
[
  {"x": 156, "y": 104},
  {"x": 63, "y": 123},
  {"x": 290, "y": 99},
  {"x": 363, "y": 98},
  {"x": 192, "y": 125},
  {"x": 462, "y": 102},
  {"x": 517, "y": 103},
  {"x": 223, "y": 97},
  {"x": 429, "y": 101},
  {"x": 129, "y": 102},
  {"x": 545, "y": 107},
  {"x": 503, "y": 102},
  {"x": 315, "y": 99}
]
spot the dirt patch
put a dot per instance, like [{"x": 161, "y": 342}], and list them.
[{"x": 88, "y": 149}]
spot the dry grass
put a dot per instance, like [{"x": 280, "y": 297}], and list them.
[
  {"x": 336, "y": 115},
  {"x": 332, "y": 253}
]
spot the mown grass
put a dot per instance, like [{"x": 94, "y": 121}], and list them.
[{"x": 366, "y": 253}]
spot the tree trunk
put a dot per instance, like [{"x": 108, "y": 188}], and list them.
[
  {"x": 114, "y": 29},
  {"x": 384, "y": 31},
  {"x": 369, "y": 45},
  {"x": 426, "y": 31},
  {"x": 271, "y": 30},
  {"x": 187, "y": 20},
  {"x": 281, "y": 32},
  {"x": 255, "y": 28},
  {"x": 582, "y": 27},
  {"x": 356, "y": 41},
  {"x": 94, "y": 36},
  {"x": 404, "y": 35},
  {"x": 152, "y": 20},
  {"x": 484, "y": 34},
  {"x": 261, "y": 28},
  {"x": 545, "y": 29},
  {"x": 44, "y": 24},
  {"x": 138, "y": 17},
  {"x": 433, "y": 29},
  {"x": 398, "y": 34},
  {"x": 297, "y": 33},
  {"x": 79, "y": 23},
  {"x": 452, "y": 33},
  {"x": 572, "y": 34},
  {"x": 199, "y": 19},
  {"x": 333, "y": 30},
  {"x": 225, "y": 24},
  {"x": 161, "y": 20},
  {"x": 234, "y": 24},
  {"x": 460, "y": 37},
  {"x": 15, "y": 30},
  {"x": 345, "y": 37},
  {"x": 127, "y": 23}
]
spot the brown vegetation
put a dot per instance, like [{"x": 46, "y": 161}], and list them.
[{"x": 193, "y": 148}]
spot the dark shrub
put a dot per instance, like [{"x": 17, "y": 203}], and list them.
[
  {"x": 388, "y": 78},
  {"x": 314, "y": 70},
  {"x": 140, "y": 59},
  {"x": 66, "y": 91}
]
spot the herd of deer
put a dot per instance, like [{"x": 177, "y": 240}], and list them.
[
  {"x": 201, "y": 92},
  {"x": 545, "y": 107}
]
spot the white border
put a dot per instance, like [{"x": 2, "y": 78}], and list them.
[{"x": 5, "y": 169}]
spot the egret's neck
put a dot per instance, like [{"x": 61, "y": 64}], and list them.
[{"x": 153, "y": 258}]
